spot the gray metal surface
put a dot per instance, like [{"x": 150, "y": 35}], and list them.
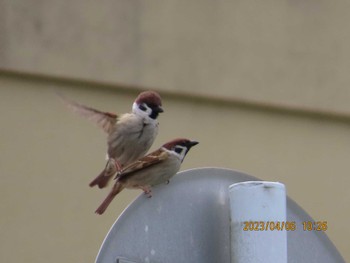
[{"x": 188, "y": 221}]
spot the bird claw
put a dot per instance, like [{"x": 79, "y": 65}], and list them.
[
  {"x": 149, "y": 195},
  {"x": 147, "y": 191}
]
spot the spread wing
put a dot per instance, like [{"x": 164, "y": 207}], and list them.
[
  {"x": 104, "y": 120},
  {"x": 146, "y": 161}
]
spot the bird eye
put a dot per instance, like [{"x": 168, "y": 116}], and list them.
[{"x": 142, "y": 107}]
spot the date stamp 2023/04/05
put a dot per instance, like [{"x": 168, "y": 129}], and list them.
[{"x": 284, "y": 225}]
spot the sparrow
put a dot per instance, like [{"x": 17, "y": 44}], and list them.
[
  {"x": 151, "y": 170},
  {"x": 129, "y": 135}
]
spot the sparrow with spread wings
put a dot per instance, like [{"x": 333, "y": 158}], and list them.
[
  {"x": 130, "y": 135},
  {"x": 153, "y": 169}
]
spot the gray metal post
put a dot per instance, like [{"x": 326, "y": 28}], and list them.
[{"x": 258, "y": 222}]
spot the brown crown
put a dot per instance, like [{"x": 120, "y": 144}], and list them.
[
  {"x": 180, "y": 141},
  {"x": 149, "y": 97}
]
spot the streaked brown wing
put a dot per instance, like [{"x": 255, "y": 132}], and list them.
[
  {"x": 104, "y": 120},
  {"x": 146, "y": 161}
]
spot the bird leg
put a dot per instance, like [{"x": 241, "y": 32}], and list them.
[
  {"x": 112, "y": 167},
  {"x": 147, "y": 190},
  {"x": 117, "y": 164}
]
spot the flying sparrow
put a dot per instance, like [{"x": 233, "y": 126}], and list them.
[
  {"x": 153, "y": 169},
  {"x": 130, "y": 135}
]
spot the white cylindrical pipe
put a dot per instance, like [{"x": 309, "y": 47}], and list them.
[{"x": 258, "y": 222}]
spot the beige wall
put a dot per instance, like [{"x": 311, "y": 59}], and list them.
[
  {"x": 293, "y": 53},
  {"x": 266, "y": 85}
]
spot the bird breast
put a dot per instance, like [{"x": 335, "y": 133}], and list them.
[{"x": 131, "y": 138}]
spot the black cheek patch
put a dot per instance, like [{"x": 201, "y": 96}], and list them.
[{"x": 154, "y": 114}]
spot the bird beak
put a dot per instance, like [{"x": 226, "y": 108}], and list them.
[
  {"x": 192, "y": 143},
  {"x": 159, "y": 109}
]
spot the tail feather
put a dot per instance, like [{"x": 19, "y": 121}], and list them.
[
  {"x": 117, "y": 188},
  {"x": 102, "y": 179}
]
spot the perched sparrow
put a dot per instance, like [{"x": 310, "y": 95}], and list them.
[
  {"x": 153, "y": 169},
  {"x": 130, "y": 135}
]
